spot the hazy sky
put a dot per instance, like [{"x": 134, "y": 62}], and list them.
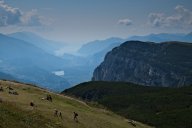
[{"x": 80, "y": 21}]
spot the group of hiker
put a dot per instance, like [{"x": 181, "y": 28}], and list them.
[
  {"x": 33, "y": 105},
  {"x": 56, "y": 112},
  {"x": 10, "y": 90},
  {"x": 59, "y": 114}
]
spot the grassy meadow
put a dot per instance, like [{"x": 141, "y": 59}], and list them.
[{"x": 16, "y": 112}]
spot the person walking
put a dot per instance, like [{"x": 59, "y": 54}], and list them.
[
  {"x": 60, "y": 115},
  {"x": 56, "y": 112},
  {"x": 75, "y": 115}
]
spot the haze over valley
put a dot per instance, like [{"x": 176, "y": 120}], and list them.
[{"x": 124, "y": 63}]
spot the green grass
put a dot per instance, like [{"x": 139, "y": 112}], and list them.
[
  {"x": 15, "y": 111},
  {"x": 156, "y": 106}
]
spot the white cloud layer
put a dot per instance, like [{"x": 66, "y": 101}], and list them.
[
  {"x": 182, "y": 18},
  {"x": 14, "y": 16},
  {"x": 32, "y": 18},
  {"x": 126, "y": 22}
]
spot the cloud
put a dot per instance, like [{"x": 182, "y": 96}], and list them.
[
  {"x": 9, "y": 15},
  {"x": 126, "y": 22},
  {"x": 181, "y": 18},
  {"x": 14, "y": 16},
  {"x": 32, "y": 18}
]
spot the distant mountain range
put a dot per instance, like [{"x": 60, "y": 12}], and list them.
[
  {"x": 97, "y": 46},
  {"x": 163, "y": 37},
  {"x": 87, "y": 58},
  {"x": 95, "y": 51},
  {"x": 147, "y": 63},
  {"x": 28, "y": 63},
  {"x": 47, "y": 45},
  {"x": 22, "y": 53}
]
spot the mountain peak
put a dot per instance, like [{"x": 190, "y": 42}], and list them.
[{"x": 148, "y": 63}]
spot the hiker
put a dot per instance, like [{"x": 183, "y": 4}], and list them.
[
  {"x": 10, "y": 88},
  {"x": 32, "y": 104},
  {"x": 10, "y": 92},
  {"x": 13, "y": 92},
  {"x": 1, "y": 89},
  {"x": 49, "y": 98},
  {"x": 75, "y": 115},
  {"x": 56, "y": 112},
  {"x": 60, "y": 115}
]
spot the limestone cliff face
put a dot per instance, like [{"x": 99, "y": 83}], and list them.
[{"x": 147, "y": 63}]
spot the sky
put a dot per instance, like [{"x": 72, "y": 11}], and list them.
[{"x": 80, "y": 21}]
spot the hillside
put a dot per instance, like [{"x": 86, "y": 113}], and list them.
[
  {"x": 16, "y": 112},
  {"x": 148, "y": 63},
  {"x": 157, "y": 106}
]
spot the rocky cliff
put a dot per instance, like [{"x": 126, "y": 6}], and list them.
[{"x": 147, "y": 63}]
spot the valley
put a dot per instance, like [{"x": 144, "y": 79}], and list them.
[{"x": 95, "y": 64}]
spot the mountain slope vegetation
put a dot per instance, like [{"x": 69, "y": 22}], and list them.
[
  {"x": 16, "y": 112},
  {"x": 161, "y": 107}
]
